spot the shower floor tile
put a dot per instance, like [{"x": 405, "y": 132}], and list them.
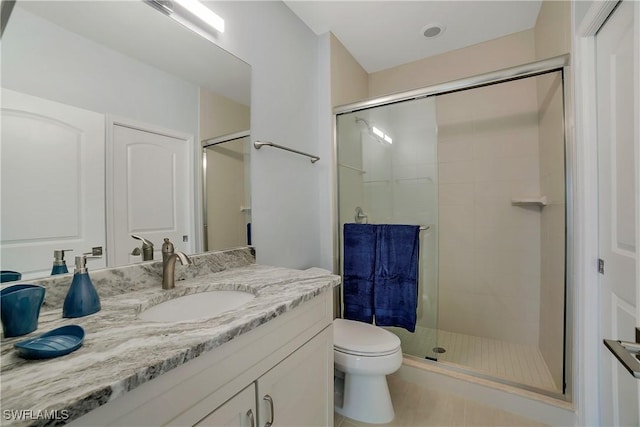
[
  {"x": 519, "y": 363},
  {"x": 416, "y": 406}
]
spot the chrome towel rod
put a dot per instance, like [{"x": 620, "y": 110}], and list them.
[
  {"x": 259, "y": 144},
  {"x": 424, "y": 227}
]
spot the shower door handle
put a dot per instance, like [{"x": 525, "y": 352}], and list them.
[{"x": 627, "y": 353}]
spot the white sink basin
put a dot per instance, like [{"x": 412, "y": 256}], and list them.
[{"x": 196, "y": 306}]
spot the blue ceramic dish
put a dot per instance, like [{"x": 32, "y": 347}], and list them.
[
  {"x": 20, "y": 308},
  {"x": 57, "y": 342},
  {"x": 9, "y": 276}
]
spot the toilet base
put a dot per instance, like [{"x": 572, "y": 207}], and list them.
[{"x": 366, "y": 398}]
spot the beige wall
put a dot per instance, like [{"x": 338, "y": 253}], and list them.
[
  {"x": 552, "y": 33},
  {"x": 552, "y": 38},
  {"x": 503, "y": 52},
  {"x": 220, "y": 115},
  {"x": 349, "y": 81}
]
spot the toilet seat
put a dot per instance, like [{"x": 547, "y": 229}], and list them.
[{"x": 363, "y": 339}]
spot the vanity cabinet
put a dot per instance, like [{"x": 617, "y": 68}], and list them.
[
  {"x": 289, "y": 358},
  {"x": 239, "y": 411},
  {"x": 295, "y": 392}
]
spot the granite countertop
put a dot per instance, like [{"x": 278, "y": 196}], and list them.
[{"x": 121, "y": 351}]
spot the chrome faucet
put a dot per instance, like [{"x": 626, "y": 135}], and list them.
[{"x": 169, "y": 258}]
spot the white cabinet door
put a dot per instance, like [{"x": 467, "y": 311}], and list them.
[
  {"x": 299, "y": 390},
  {"x": 150, "y": 184},
  {"x": 239, "y": 411},
  {"x": 52, "y": 177},
  {"x": 617, "y": 81}
]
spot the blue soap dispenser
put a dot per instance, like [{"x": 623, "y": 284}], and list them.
[
  {"x": 82, "y": 298},
  {"x": 59, "y": 264}
]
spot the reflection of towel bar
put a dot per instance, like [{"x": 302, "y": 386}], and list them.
[{"x": 259, "y": 144}]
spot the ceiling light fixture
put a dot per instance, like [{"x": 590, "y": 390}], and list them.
[{"x": 432, "y": 31}]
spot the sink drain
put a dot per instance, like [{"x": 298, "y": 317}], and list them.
[{"x": 439, "y": 350}]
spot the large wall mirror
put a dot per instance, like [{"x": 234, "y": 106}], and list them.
[{"x": 106, "y": 108}]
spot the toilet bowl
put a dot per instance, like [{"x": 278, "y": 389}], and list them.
[{"x": 365, "y": 354}]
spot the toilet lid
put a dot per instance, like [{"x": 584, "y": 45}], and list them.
[{"x": 360, "y": 338}]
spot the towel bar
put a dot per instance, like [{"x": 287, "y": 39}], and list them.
[{"x": 259, "y": 144}]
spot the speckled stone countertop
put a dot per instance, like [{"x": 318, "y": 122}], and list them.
[{"x": 121, "y": 351}]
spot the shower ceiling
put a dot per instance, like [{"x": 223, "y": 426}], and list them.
[{"x": 385, "y": 34}]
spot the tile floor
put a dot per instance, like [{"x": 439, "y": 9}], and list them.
[
  {"x": 416, "y": 406},
  {"x": 518, "y": 363}
]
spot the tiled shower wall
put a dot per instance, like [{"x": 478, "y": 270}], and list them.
[{"x": 489, "y": 249}]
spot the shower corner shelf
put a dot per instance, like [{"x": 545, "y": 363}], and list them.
[{"x": 529, "y": 201}]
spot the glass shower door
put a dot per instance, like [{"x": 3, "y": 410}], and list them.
[{"x": 387, "y": 158}]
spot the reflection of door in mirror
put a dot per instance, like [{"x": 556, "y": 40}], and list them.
[
  {"x": 225, "y": 141},
  {"x": 148, "y": 190},
  {"x": 52, "y": 178}
]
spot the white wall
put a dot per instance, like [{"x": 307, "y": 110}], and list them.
[
  {"x": 44, "y": 60},
  {"x": 291, "y": 205}
]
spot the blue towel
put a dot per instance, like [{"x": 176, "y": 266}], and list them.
[
  {"x": 396, "y": 275},
  {"x": 359, "y": 264}
]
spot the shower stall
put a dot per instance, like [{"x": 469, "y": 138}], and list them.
[{"x": 480, "y": 165}]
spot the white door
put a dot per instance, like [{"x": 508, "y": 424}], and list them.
[
  {"x": 151, "y": 186},
  {"x": 52, "y": 174},
  {"x": 617, "y": 86}
]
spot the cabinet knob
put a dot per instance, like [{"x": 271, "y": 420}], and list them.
[
  {"x": 271, "y": 418},
  {"x": 252, "y": 420}
]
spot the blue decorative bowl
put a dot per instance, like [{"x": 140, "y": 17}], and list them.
[
  {"x": 54, "y": 343},
  {"x": 9, "y": 276},
  {"x": 20, "y": 309}
]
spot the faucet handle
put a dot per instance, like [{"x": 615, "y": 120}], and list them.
[{"x": 145, "y": 242}]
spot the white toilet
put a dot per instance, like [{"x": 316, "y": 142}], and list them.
[{"x": 365, "y": 354}]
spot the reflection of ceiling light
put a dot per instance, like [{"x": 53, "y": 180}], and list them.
[
  {"x": 204, "y": 13},
  {"x": 376, "y": 131},
  {"x": 184, "y": 12}
]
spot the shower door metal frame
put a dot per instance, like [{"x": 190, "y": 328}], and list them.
[{"x": 559, "y": 63}]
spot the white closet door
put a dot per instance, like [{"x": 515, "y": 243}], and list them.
[
  {"x": 151, "y": 192},
  {"x": 617, "y": 91},
  {"x": 52, "y": 183}
]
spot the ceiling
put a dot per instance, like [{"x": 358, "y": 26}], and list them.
[{"x": 384, "y": 34}]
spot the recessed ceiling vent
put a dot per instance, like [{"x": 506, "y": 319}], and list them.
[{"x": 432, "y": 31}]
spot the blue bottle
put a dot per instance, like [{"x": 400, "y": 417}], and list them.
[
  {"x": 59, "y": 264},
  {"x": 82, "y": 298}
]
